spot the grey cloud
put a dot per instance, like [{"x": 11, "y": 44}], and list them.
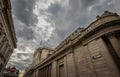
[
  {"x": 23, "y": 54},
  {"x": 27, "y": 33},
  {"x": 55, "y": 8},
  {"x": 21, "y": 63},
  {"x": 27, "y": 60},
  {"x": 24, "y": 18},
  {"x": 23, "y": 10},
  {"x": 87, "y": 3},
  {"x": 20, "y": 66},
  {"x": 110, "y": 5}
]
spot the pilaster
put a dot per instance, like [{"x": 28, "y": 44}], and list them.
[{"x": 54, "y": 69}]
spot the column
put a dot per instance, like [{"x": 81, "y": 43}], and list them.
[
  {"x": 54, "y": 69},
  {"x": 8, "y": 56},
  {"x": 48, "y": 71},
  {"x": 1, "y": 64},
  {"x": 1, "y": 43},
  {"x": 105, "y": 52},
  {"x": 3, "y": 48},
  {"x": 0, "y": 24},
  {"x": 115, "y": 43},
  {"x": 71, "y": 70},
  {"x": 1, "y": 38},
  {"x": 34, "y": 74},
  {"x": 6, "y": 52},
  {"x": 45, "y": 72},
  {"x": 42, "y": 72},
  {"x": 88, "y": 58},
  {"x": 7, "y": 59},
  {"x": 37, "y": 73},
  {"x": 65, "y": 65}
]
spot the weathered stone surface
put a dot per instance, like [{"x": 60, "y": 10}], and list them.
[{"x": 7, "y": 34}]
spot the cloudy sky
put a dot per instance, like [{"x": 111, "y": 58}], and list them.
[{"x": 50, "y": 21}]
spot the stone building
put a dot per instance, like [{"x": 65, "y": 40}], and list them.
[
  {"x": 28, "y": 67},
  {"x": 7, "y": 34},
  {"x": 93, "y": 51},
  {"x": 41, "y": 54}
]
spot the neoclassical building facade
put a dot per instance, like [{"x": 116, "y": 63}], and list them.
[
  {"x": 93, "y": 51},
  {"x": 7, "y": 34},
  {"x": 40, "y": 55}
]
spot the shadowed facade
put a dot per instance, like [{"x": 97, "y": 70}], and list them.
[{"x": 7, "y": 34}]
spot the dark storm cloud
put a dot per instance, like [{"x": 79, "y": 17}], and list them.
[
  {"x": 26, "y": 33},
  {"x": 110, "y": 5},
  {"x": 55, "y": 8},
  {"x": 23, "y": 10},
  {"x": 87, "y": 3},
  {"x": 24, "y": 18}
]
